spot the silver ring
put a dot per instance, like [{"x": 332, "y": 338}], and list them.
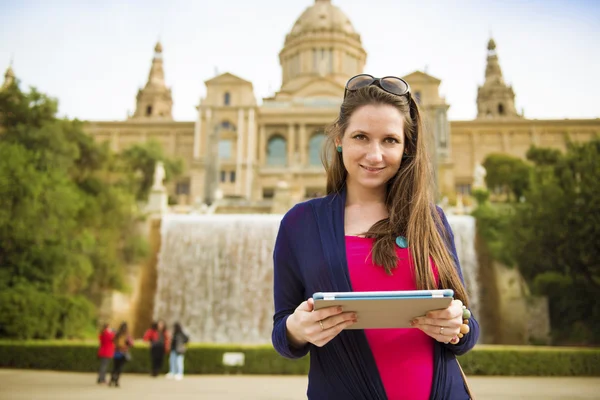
[
  {"x": 441, "y": 330},
  {"x": 321, "y": 323}
]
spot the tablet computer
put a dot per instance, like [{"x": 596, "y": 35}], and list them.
[{"x": 388, "y": 309}]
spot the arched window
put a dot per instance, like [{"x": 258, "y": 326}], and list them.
[
  {"x": 315, "y": 146},
  {"x": 276, "y": 151},
  {"x": 149, "y": 110},
  {"x": 227, "y": 99},
  {"x": 227, "y": 125},
  {"x": 501, "y": 109}
]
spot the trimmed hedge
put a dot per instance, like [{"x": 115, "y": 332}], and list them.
[{"x": 263, "y": 360}]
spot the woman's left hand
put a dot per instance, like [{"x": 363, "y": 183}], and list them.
[{"x": 442, "y": 325}]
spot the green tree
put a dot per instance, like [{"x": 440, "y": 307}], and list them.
[
  {"x": 509, "y": 174},
  {"x": 68, "y": 219},
  {"x": 555, "y": 235},
  {"x": 141, "y": 160}
]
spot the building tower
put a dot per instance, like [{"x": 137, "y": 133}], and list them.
[
  {"x": 9, "y": 77},
  {"x": 495, "y": 99},
  {"x": 154, "y": 101}
]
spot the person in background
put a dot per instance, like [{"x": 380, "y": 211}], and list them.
[
  {"x": 158, "y": 337},
  {"x": 105, "y": 351},
  {"x": 123, "y": 343},
  {"x": 178, "y": 348}
]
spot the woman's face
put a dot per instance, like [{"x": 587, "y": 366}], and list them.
[
  {"x": 372, "y": 146},
  {"x": 160, "y": 325}
]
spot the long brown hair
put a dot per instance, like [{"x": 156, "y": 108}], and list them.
[{"x": 409, "y": 199}]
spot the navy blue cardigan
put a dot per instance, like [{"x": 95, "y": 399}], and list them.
[{"x": 310, "y": 256}]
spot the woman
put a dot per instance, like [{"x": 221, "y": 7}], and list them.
[
  {"x": 158, "y": 337},
  {"x": 122, "y": 344},
  {"x": 178, "y": 348},
  {"x": 377, "y": 229},
  {"x": 105, "y": 351}
]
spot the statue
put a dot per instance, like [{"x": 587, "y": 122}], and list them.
[
  {"x": 159, "y": 177},
  {"x": 479, "y": 177}
]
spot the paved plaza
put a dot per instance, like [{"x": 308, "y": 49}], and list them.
[{"x": 49, "y": 385}]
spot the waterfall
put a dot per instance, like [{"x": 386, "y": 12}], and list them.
[
  {"x": 215, "y": 274},
  {"x": 463, "y": 227}
]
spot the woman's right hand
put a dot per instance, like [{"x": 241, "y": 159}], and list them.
[{"x": 317, "y": 327}]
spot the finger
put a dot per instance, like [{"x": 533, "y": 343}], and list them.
[
  {"x": 327, "y": 312},
  {"x": 311, "y": 304},
  {"x": 440, "y": 331},
  {"x": 448, "y": 313},
  {"x": 306, "y": 306},
  {"x": 450, "y": 323},
  {"x": 327, "y": 335},
  {"x": 438, "y": 337},
  {"x": 453, "y": 310},
  {"x": 330, "y": 322}
]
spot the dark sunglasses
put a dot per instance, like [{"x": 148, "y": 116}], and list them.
[{"x": 390, "y": 84}]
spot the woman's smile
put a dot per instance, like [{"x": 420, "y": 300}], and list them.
[{"x": 372, "y": 170}]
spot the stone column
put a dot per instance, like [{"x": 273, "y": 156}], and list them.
[
  {"x": 198, "y": 134},
  {"x": 207, "y": 120},
  {"x": 262, "y": 145},
  {"x": 303, "y": 145},
  {"x": 240, "y": 152},
  {"x": 251, "y": 153},
  {"x": 211, "y": 162},
  {"x": 474, "y": 145},
  {"x": 173, "y": 137},
  {"x": 291, "y": 145}
]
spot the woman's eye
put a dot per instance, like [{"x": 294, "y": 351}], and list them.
[
  {"x": 360, "y": 136},
  {"x": 391, "y": 140}
]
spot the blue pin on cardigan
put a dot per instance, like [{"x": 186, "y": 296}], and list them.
[{"x": 402, "y": 242}]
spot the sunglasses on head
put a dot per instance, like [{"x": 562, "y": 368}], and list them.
[{"x": 391, "y": 84}]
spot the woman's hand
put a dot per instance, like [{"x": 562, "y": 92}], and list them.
[
  {"x": 442, "y": 325},
  {"x": 318, "y": 327}
]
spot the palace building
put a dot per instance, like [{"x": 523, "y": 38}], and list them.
[{"x": 241, "y": 149}]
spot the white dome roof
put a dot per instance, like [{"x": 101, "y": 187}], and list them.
[{"x": 322, "y": 16}]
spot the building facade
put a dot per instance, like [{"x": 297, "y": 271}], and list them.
[{"x": 241, "y": 150}]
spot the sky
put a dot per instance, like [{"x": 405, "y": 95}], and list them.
[{"x": 93, "y": 56}]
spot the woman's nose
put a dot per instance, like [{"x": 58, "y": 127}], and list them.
[{"x": 374, "y": 153}]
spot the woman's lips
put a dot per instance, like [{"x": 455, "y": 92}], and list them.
[{"x": 372, "y": 169}]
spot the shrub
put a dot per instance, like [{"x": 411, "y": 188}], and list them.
[
  {"x": 207, "y": 359},
  {"x": 28, "y": 313},
  {"x": 76, "y": 315}
]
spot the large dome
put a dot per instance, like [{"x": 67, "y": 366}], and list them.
[
  {"x": 322, "y": 16},
  {"x": 320, "y": 53}
]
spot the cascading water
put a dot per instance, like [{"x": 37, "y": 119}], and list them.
[
  {"x": 463, "y": 227},
  {"x": 215, "y": 274}
]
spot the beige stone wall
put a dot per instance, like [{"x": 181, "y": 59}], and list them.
[
  {"x": 470, "y": 143},
  {"x": 473, "y": 141}
]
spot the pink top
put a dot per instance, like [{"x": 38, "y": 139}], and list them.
[{"x": 404, "y": 357}]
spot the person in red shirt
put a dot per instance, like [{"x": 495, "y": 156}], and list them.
[
  {"x": 105, "y": 351},
  {"x": 159, "y": 340}
]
